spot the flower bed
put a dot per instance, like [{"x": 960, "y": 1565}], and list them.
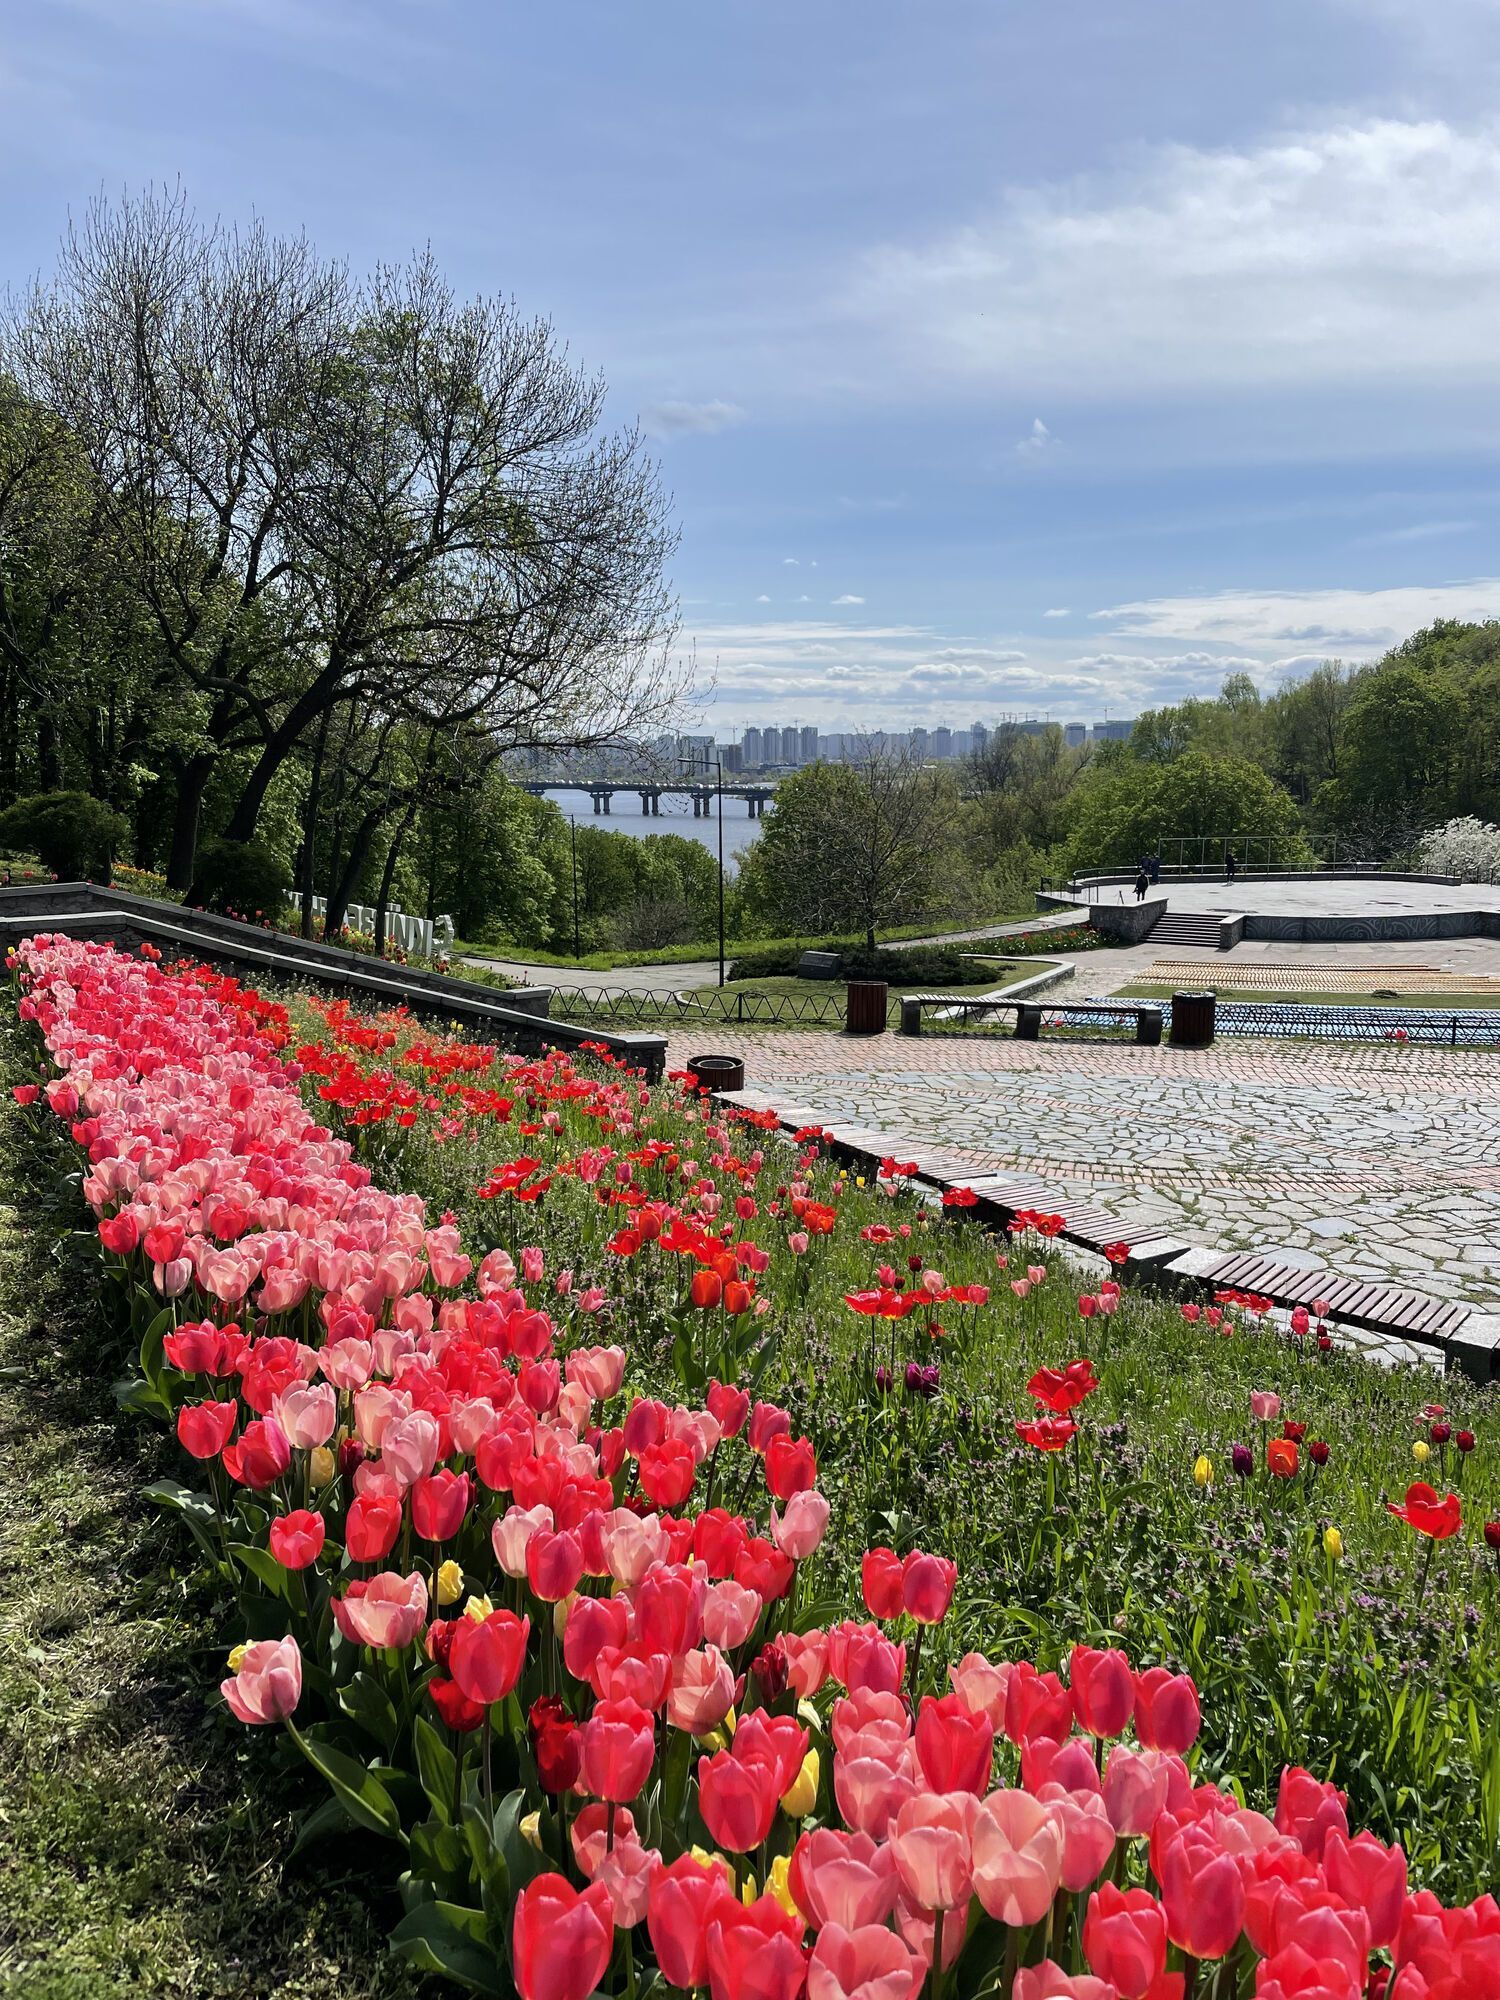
[{"x": 568, "y": 1649}]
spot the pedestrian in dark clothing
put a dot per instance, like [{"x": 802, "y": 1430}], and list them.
[
  {"x": 1231, "y": 866},
  {"x": 1153, "y": 869},
  {"x": 1142, "y": 884}
]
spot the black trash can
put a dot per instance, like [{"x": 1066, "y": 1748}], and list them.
[
  {"x": 1028, "y": 1022},
  {"x": 1148, "y": 1027},
  {"x": 865, "y": 1005},
  {"x": 718, "y": 1072},
  {"x": 1193, "y": 1019}
]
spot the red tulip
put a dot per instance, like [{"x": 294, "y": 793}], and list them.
[
  {"x": 755, "y": 1953},
  {"x": 1428, "y": 1514},
  {"x": 488, "y": 1654},
  {"x": 1307, "y": 1809},
  {"x": 955, "y": 1749},
  {"x": 556, "y": 1744},
  {"x": 1166, "y": 1710},
  {"x": 619, "y": 1743},
  {"x": 729, "y": 1407},
  {"x": 438, "y": 1505},
  {"x": 680, "y": 1903},
  {"x": 296, "y": 1540},
  {"x": 561, "y": 1939},
  {"x": 205, "y": 1428},
  {"x": 667, "y": 1472},
  {"x": 791, "y": 1466},
  {"x": 1103, "y": 1690},
  {"x": 372, "y": 1526},
  {"x": 1036, "y": 1705},
  {"x": 706, "y": 1290},
  {"x": 1125, "y": 1938},
  {"x": 1369, "y": 1877},
  {"x": 454, "y": 1706},
  {"x": 1202, "y": 1893},
  {"x": 737, "y": 1797},
  {"x": 259, "y": 1457},
  {"x": 927, "y": 1587},
  {"x": 881, "y": 1577},
  {"x": 554, "y": 1563}
]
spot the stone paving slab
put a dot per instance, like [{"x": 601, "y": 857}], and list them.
[{"x": 1380, "y": 1163}]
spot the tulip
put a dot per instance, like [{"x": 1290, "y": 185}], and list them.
[
  {"x": 296, "y": 1539},
  {"x": 387, "y": 1611},
  {"x": 438, "y": 1505},
  {"x": 1103, "y": 1690},
  {"x": 371, "y": 1528},
  {"x": 871, "y": 1963},
  {"x": 954, "y": 1747},
  {"x": 1308, "y": 1810},
  {"x": 1135, "y": 1789},
  {"x": 981, "y": 1687},
  {"x": 881, "y": 1576},
  {"x": 1166, "y": 1710},
  {"x": 681, "y": 1899},
  {"x": 1367, "y": 1876},
  {"x": 1048, "y": 1981},
  {"x": 554, "y": 1564},
  {"x": 1088, "y": 1837},
  {"x": 843, "y": 1878},
  {"x": 1018, "y": 1857},
  {"x": 930, "y": 1840},
  {"x": 488, "y": 1655},
  {"x": 1202, "y": 1893},
  {"x": 755, "y": 1952},
  {"x": 791, "y": 1466},
  {"x": 267, "y": 1684},
  {"x": 737, "y": 1797},
  {"x": 1125, "y": 1939},
  {"x": 205, "y": 1428},
  {"x": 618, "y": 1746},
  {"x": 702, "y": 1691},
  {"x": 556, "y": 1744},
  {"x": 1265, "y": 1405},
  {"x": 927, "y": 1587},
  {"x": 798, "y": 1532},
  {"x": 561, "y": 1939}
]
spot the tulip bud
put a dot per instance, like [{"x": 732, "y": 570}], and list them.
[
  {"x": 450, "y": 1582},
  {"x": 1333, "y": 1543},
  {"x": 1203, "y": 1470},
  {"x": 531, "y": 1830},
  {"x": 478, "y": 1608},
  {"x": 321, "y": 1465},
  {"x": 1492, "y": 1535},
  {"x": 802, "y": 1794},
  {"x": 1421, "y": 1451}
]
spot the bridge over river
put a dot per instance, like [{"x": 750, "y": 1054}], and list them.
[{"x": 650, "y": 792}]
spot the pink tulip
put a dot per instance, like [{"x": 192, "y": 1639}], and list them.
[
  {"x": 1018, "y": 1857},
  {"x": 1265, "y": 1405},
  {"x": 1166, "y": 1710},
  {"x": 702, "y": 1691},
  {"x": 981, "y": 1687},
  {"x": 872, "y": 1782},
  {"x": 1103, "y": 1690},
  {"x": 844, "y": 1878},
  {"x": 625, "y": 1872},
  {"x": 930, "y": 1840},
  {"x": 619, "y": 1743},
  {"x": 306, "y": 1415},
  {"x": 1368, "y": 1876},
  {"x": 267, "y": 1685},
  {"x": 799, "y": 1530},
  {"x": 1125, "y": 1939},
  {"x": 1202, "y": 1893},
  {"x": 561, "y": 1939},
  {"x": 1088, "y": 1836},
  {"x": 870, "y": 1963},
  {"x": 511, "y": 1536},
  {"x": 1135, "y": 1789},
  {"x": 386, "y": 1611},
  {"x": 1048, "y": 1981}
]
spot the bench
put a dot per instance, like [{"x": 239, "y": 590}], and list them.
[{"x": 1145, "y": 1015}]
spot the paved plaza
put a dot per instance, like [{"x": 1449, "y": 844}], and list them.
[{"x": 1381, "y": 1163}]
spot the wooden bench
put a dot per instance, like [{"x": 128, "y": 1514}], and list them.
[{"x": 1145, "y": 1015}]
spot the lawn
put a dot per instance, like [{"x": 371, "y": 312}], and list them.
[{"x": 1206, "y": 1491}]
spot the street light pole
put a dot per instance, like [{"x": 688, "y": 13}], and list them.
[
  {"x": 573, "y": 825},
  {"x": 718, "y": 764}
]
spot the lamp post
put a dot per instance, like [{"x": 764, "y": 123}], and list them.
[
  {"x": 718, "y": 765},
  {"x": 573, "y": 825}
]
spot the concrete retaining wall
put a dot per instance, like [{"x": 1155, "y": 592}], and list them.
[{"x": 1127, "y": 923}]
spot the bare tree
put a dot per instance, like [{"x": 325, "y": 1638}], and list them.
[{"x": 328, "y": 493}]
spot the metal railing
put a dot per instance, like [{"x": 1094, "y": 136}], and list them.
[
  {"x": 1474, "y": 1028},
  {"x": 661, "y": 1007}
]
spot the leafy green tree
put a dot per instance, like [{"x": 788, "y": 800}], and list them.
[{"x": 1126, "y": 808}]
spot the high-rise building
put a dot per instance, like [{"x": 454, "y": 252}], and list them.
[
  {"x": 1113, "y": 732},
  {"x": 772, "y": 739},
  {"x": 791, "y": 745},
  {"x": 733, "y": 758},
  {"x": 979, "y": 736},
  {"x": 696, "y": 750},
  {"x": 918, "y": 742},
  {"x": 750, "y": 748},
  {"x": 963, "y": 743},
  {"x": 942, "y": 741},
  {"x": 1075, "y": 734},
  {"x": 809, "y": 744}
]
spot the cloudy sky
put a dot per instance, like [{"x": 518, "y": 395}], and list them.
[{"x": 1003, "y": 356}]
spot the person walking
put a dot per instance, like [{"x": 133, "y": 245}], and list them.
[
  {"x": 1231, "y": 866},
  {"x": 1153, "y": 869},
  {"x": 1142, "y": 884}
]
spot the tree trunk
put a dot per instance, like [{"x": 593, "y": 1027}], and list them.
[
  {"x": 192, "y": 783},
  {"x": 359, "y": 854},
  {"x": 310, "y": 826},
  {"x": 318, "y": 700},
  {"x": 388, "y": 875}
]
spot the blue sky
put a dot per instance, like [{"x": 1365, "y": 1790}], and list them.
[{"x": 1003, "y": 356}]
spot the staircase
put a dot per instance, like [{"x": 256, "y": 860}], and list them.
[{"x": 1199, "y": 931}]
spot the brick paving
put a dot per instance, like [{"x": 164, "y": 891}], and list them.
[{"x": 1381, "y": 1163}]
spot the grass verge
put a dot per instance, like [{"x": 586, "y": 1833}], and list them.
[{"x": 147, "y": 1844}]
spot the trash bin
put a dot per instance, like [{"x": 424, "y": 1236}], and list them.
[
  {"x": 1193, "y": 1018},
  {"x": 718, "y": 1072},
  {"x": 1028, "y": 1022},
  {"x": 1148, "y": 1027},
  {"x": 865, "y": 1006}
]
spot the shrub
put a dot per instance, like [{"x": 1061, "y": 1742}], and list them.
[
  {"x": 920, "y": 965},
  {"x": 75, "y": 835},
  {"x": 1468, "y": 848},
  {"x": 241, "y": 878}
]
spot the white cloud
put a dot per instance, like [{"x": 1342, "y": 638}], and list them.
[
  {"x": 762, "y": 600},
  {"x": 1362, "y": 250},
  {"x": 847, "y": 598},
  {"x": 1037, "y": 441},
  {"x": 1355, "y": 623},
  {"x": 677, "y": 419},
  {"x": 789, "y": 562},
  {"x": 1064, "y": 613}
]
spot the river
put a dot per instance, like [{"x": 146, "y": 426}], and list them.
[{"x": 676, "y": 816}]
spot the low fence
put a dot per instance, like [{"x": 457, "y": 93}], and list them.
[
  {"x": 661, "y": 1007},
  {"x": 1475, "y": 1028}
]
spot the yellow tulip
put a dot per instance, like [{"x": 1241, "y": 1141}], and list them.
[
  {"x": 798, "y": 1800},
  {"x": 1203, "y": 1471},
  {"x": 748, "y": 1890},
  {"x": 778, "y": 1884},
  {"x": 531, "y": 1829},
  {"x": 478, "y": 1608},
  {"x": 1333, "y": 1543},
  {"x": 321, "y": 1466},
  {"x": 237, "y": 1656},
  {"x": 450, "y": 1582},
  {"x": 1421, "y": 1451}
]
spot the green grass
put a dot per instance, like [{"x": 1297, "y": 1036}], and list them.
[
  {"x": 147, "y": 1841},
  {"x": 707, "y": 948}
]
